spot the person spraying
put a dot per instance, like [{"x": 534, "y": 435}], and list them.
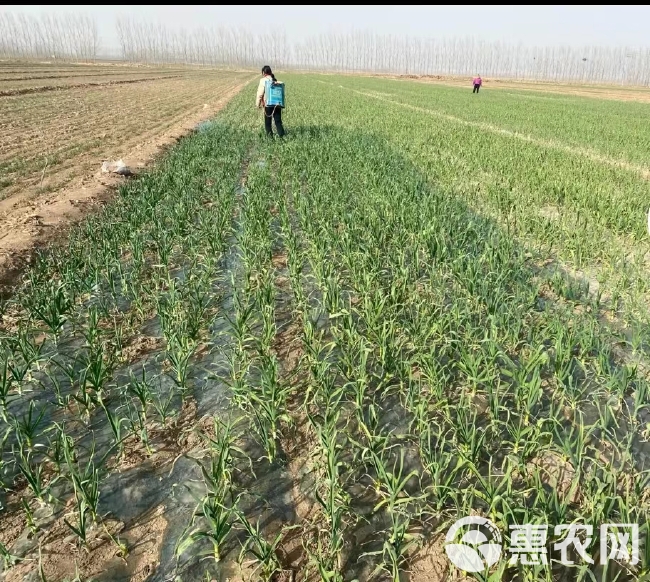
[
  {"x": 270, "y": 98},
  {"x": 477, "y": 83}
]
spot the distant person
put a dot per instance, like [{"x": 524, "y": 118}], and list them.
[
  {"x": 477, "y": 83},
  {"x": 274, "y": 111}
]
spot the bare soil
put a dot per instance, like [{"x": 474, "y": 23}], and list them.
[
  {"x": 61, "y": 558},
  {"x": 62, "y": 138},
  {"x": 432, "y": 564}
]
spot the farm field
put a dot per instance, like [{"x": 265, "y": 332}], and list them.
[
  {"x": 304, "y": 360},
  {"x": 35, "y": 76},
  {"x": 55, "y": 137},
  {"x": 546, "y": 88}
]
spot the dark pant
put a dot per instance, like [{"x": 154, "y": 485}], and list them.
[
  {"x": 274, "y": 112},
  {"x": 476, "y": 88}
]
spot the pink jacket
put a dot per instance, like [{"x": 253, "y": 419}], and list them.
[{"x": 477, "y": 81}]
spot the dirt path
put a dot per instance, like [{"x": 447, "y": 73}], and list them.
[{"x": 28, "y": 223}]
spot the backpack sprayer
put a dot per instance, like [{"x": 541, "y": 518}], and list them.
[{"x": 274, "y": 93}]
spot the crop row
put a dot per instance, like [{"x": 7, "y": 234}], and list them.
[
  {"x": 589, "y": 216},
  {"x": 355, "y": 332}
]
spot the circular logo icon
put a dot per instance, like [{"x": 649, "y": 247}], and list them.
[{"x": 479, "y": 547}]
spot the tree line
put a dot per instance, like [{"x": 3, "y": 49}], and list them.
[
  {"x": 76, "y": 38},
  {"x": 71, "y": 37}
]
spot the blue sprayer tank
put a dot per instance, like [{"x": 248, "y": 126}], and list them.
[{"x": 274, "y": 93}]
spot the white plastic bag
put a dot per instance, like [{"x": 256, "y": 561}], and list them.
[{"x": 118, "y": 167}]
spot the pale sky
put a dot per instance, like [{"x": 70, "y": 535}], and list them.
[{"x": 530, "y": 25}]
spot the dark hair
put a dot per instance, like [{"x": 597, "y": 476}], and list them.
[{"x": 266, "y": 70}]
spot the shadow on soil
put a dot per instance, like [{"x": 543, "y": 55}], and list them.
[{"x": 131, "y": 495}]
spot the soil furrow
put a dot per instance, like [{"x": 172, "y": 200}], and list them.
[{"x": 27, "y": 90}]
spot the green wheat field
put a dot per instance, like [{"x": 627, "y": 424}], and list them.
[{"x": 304, "y": 359}]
